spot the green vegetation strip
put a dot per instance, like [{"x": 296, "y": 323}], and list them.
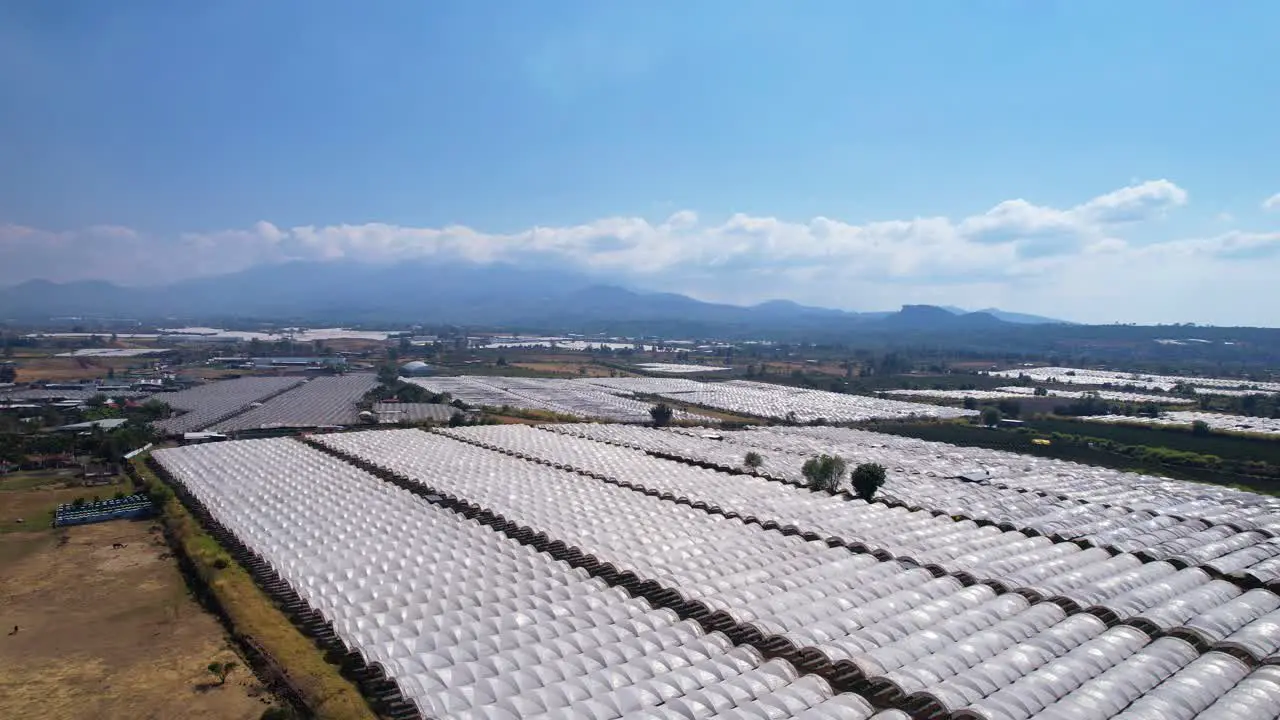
[
  {"x": 252, "y": 614},
  {"x": 1253, "y": 475},
  {"x": 1227, "y": 447}
]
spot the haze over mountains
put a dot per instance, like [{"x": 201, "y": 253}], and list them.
[{"x": 489, "y": 295}]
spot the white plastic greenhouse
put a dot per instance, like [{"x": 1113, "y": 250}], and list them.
[
  {"x": 469, "y": 623},
  {"x": 1082, "y": 376},
  {"x": 675, "y": 584}
]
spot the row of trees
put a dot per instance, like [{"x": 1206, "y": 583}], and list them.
[
  {"x": 825, "y": 472},
  {"x": 390, "y": 385}
]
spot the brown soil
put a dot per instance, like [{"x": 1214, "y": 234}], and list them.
[
  {"x": 509, "y": 420},
  {"x": 566, "y": 368},
  {"x": 109, "y": 633},
  {"x": 56, "y": 369}
]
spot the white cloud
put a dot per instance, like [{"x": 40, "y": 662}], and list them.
[
  {"x": 1135, "y": 203},
  {"x": 1065, "y": 262},
  {"x": 1272, "y": 203}
]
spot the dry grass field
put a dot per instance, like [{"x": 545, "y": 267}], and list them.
[
  {"x": 56, "y": 369},
  {"x": 566, "y": 368},
  {"x": 107, "y": 632},
  {"x": 32, "y": 509}
]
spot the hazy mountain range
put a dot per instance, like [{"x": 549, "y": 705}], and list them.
[{"x": 492, "y": 295}]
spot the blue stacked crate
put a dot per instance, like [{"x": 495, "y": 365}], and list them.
[{"x": 132, "y": 506}]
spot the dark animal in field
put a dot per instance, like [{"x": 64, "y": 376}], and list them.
[{"x": 118, "y": 546}]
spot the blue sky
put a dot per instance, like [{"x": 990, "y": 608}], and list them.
[{"x": 849, "y": 154}]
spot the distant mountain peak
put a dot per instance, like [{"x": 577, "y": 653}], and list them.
[
  {"x": 496, "y": 296},
  {"x": 1023, "y": 318},
  {"x": 932, "y": 317}
]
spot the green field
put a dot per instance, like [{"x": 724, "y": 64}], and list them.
[
  {"x": 964, "y": 434},
  {"x": 1233, "y": 447}
]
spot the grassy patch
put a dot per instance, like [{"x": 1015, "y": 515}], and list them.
[
  {"x": 531, "y": 414},
  {"x": 30, "y": 480},
  {"x": 1158, "y": 460},
  {"x": 251, "y": 612},
  {"x": 564, "y": 369},
  {"x": 32, "y": 510},
  {"x": 1236, "y": 446}
]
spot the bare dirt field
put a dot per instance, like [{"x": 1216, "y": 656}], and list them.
[
  {"x": 566, "y": 368},
  {"x": 107, "y": 632},
  {"x": 56, "y": 369}
]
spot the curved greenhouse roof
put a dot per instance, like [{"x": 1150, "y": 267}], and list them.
[
  {"x": 415, "y": 367},
  {"x": 587, "y": 577}
]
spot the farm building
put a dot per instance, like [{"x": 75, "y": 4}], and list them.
[{"x": 415, "y": 368}]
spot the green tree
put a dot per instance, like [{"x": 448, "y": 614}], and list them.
[
  {"x": 389, "y": 376},
  {"x": 970, "y": 404},
  {"x": 153, "y": 409},
  {"x": 221, "y": 670},
  {"x": 1041, "y": 392},
  {"x": 753, "y": 461},
  {"x": 824, "y": 472},
  {"x": 990, "y": 416},
  {"x": 8, "y": 372},
  {"x": 867, "y": 478},
  {"x": 661, "y": 414},
  {"x": 1009, "y": 408},
  {"x": 1200, "y": 428}
]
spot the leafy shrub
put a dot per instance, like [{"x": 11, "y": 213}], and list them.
[{"x": 867, "y": 478}]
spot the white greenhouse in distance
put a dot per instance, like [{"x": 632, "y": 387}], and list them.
[
  {"x": 415, "y": 368},
  {"x": 1083, "y": 376}
]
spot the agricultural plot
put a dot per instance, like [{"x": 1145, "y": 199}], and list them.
[
  {"x": 1216, "y": 421},
  {"x": 319, "y": 402},
  {"x": 1023, "y": 472},
  {"x": 803, "y": 405},
  {"x": 911, "y": 636},
  {"x": 646, "y": 385},
  {"x": 37, "y": 394},
  {"x": 564, "y": 397},
  {"x": 612, "y": 398},
  {"x": 388, "y": 413},
  {"x": 1081, "y": 376},
  {"x": 1224, "y": 529},
  {"x": 678, "y": 369},
  {"x": 467, "y": 622},
  {"x": 925, "y": 506},
  {"x": 111, "y": 352},
  {"x": 1016, "y": 392},
  {"x": 205, "y": 405}
]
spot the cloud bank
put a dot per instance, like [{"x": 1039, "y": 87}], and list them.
[{"x": 1072, "y": 262}]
